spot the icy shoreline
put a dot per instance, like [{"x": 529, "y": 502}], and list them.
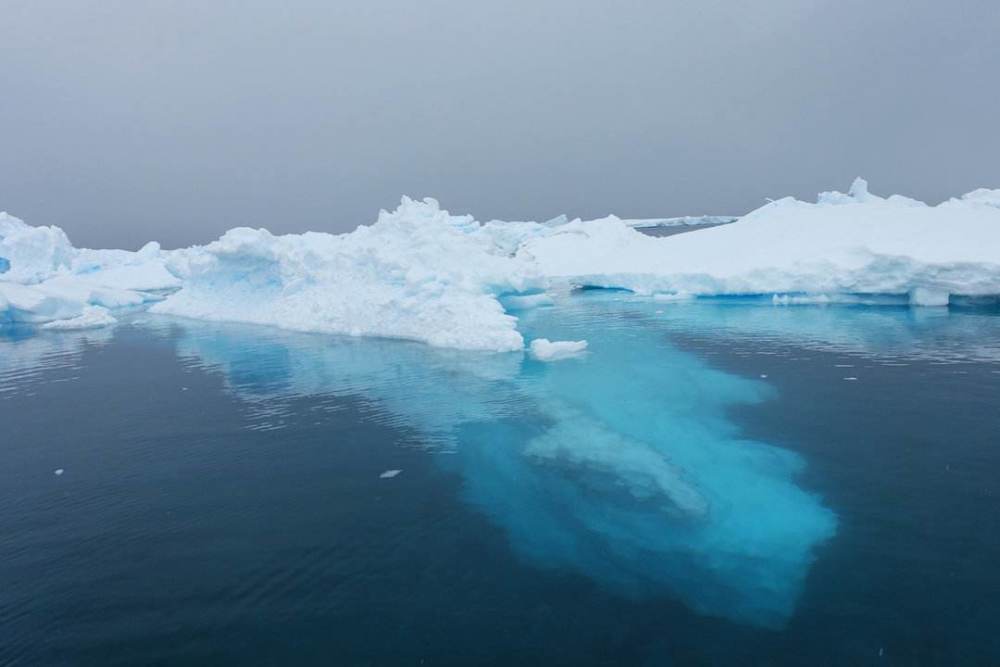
[{"x": 423, "y": 274}]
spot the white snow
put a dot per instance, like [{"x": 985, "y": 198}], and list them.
[
  {"x": 423, "y": 274},
  {"x": 544, "y": 349}
]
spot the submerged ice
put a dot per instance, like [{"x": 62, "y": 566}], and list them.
[
  {"x": 423, "y": 274},
  {"x": 623, "y": 467}
]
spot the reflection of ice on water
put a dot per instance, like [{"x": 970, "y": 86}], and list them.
[
  {"x": 849, "y": 324},
  {"x": 621, "y": 466},
  {"x": 26, "y": 353}
]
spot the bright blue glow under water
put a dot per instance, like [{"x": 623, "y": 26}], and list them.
[{"x": 673, "y": 464}]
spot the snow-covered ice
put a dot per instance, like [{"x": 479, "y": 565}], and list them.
[
  {"x": 418, "y": 273},
  {"x": 544, "y": 349},
  {"x": 843, "y": 244},
  {"x": 421, "y": 273}
]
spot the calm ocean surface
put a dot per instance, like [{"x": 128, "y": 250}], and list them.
[{"x": 714, "y": 483}]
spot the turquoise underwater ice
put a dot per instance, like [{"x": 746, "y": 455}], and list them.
[{"x": 622, "y": 465}]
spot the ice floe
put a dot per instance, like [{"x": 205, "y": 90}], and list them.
[{"x": 544, "y": 349}]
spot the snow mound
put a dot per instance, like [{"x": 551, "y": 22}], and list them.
[{"x": 544, "y": 349}]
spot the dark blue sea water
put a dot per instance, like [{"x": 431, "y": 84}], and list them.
[{"x": 721, "y": 482}]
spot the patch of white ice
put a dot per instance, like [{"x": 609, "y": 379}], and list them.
[{"x": 545, "y": 350}]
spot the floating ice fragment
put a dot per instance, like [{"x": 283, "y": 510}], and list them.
[
  {"x": 389, "y": 474},
  {"x": 545, "y": 350},
  {"x": 851, "y": 378},
  {"x": 58, "y": 471}
]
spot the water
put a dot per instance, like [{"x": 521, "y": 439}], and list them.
[{"x": 724, "y": 482}]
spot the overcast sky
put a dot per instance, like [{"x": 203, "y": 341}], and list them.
[{"x": 128, "y": 121}]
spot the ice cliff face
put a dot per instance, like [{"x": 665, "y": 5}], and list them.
[{"x": 421, "y": 273}]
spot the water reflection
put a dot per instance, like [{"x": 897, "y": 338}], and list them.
[
  {"x": 27, "y": 354},
  {"x": 854, "y": 327}
]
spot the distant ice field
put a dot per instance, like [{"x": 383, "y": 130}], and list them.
[{"x": 420, "y": 273}]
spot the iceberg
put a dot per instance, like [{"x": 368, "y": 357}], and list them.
[
  {"x": 44, "y": 279},
  {"x": 423, "y": 274},
  {"x": 418, "y": 273}
]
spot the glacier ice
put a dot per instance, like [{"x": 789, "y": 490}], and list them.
[{"x": 423, "y": 274}]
